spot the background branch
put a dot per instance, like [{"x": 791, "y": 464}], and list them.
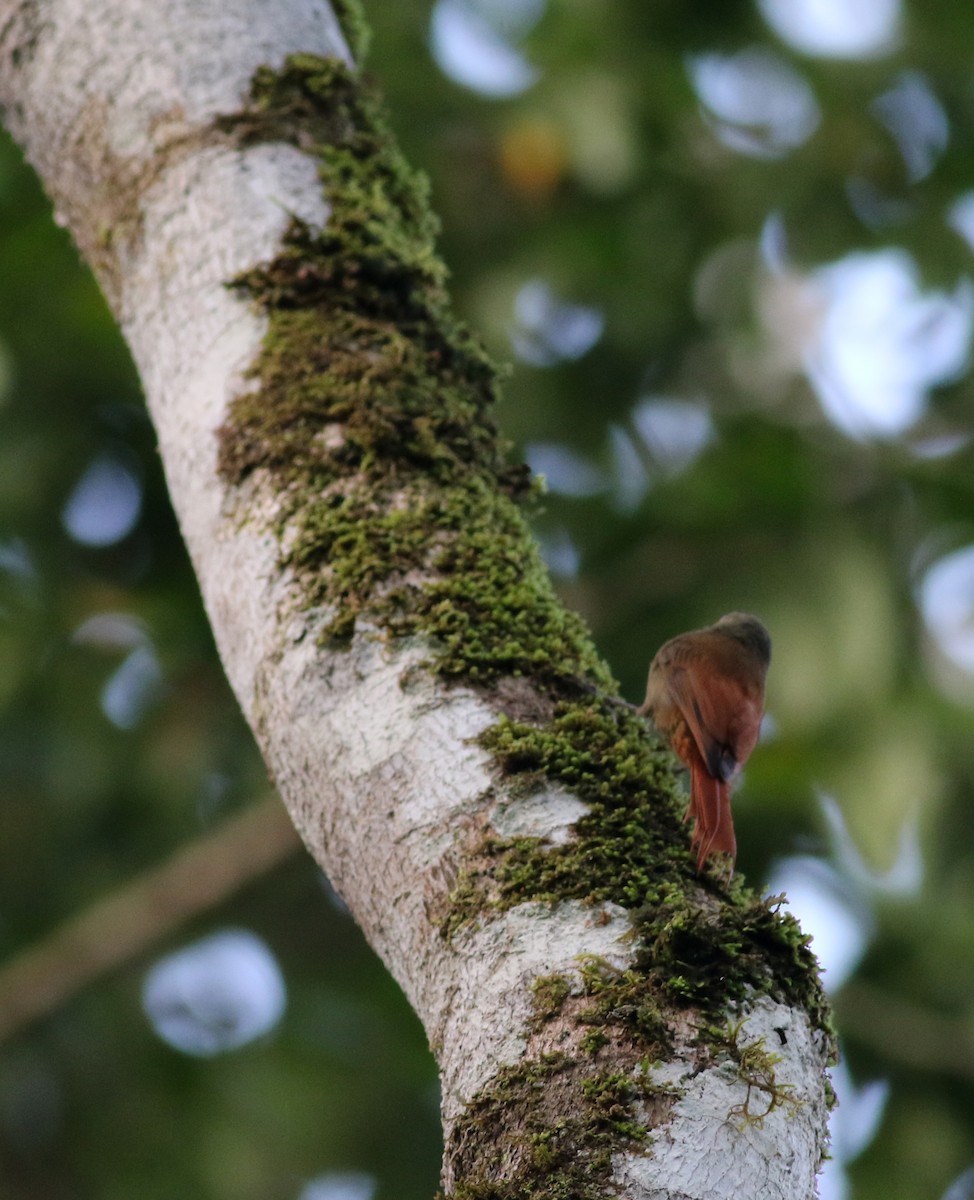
[{"x": 139, "y": 914}]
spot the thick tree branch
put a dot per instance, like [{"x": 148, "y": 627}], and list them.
[{"x": 510, "y": 844}]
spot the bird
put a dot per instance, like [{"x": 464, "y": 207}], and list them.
[{"x": 705, "y": 694}]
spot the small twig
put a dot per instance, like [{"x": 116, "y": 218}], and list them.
[{"x": 131, "y": 919}]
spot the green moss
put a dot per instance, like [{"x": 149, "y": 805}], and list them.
[
  {"x": 514, "y": 1140},
  {"x": 369, "y": 413},
  {"x": 711, "y": 956},
  {"x": 629, "y": 842},
  {"x": 351, "y": 18},
  {"x": 700, "y": 945},
  {"x": 373, "y": 411},
  {"x": 549, "y": 993},
  {"x": 756, "y": 1068},
  {"x": 628, "y": 1002},
  {"x": 609, "y": 1005},
  {"x": 593, "y": 1041}
]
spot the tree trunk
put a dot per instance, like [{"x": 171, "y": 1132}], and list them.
[{"x": 606, "y": 1022}]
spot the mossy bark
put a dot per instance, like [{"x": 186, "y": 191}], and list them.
[
  {"x": 369, "y": 411},
  {"x": 361, "y": 451}
]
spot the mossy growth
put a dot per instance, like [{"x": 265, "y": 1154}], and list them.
[
  {"x": 609, "y": 1004},
  {"x": 711, "y": 957},
  {"x": 623, "y": 1000},
  {"x": 755, "y": 1066},
  {"x": 368, "y": 415},
  {"x": 514, "y": 1140},
  {"x": 700, "y": 945},
  {"x": 371, "y": 409},
  {"x": 549, "y": 993},
  {"x": 354, "y": 26}
]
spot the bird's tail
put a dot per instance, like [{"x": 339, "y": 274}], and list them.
[{"x": 713, "y": 831}]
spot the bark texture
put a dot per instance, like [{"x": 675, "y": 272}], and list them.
[{"x": 605, "y": 1022}]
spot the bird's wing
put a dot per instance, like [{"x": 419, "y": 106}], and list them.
[{"x": 723, "y": 717}]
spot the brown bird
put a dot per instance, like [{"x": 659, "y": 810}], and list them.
[{"x": 705, "y": 693}]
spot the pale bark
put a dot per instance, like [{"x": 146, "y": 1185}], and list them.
[{"x": 115, "y": 103}]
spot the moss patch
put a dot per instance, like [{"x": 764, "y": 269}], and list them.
[
  {"x": 609, "y": 1006},
  {"x": 354, "y": 26},
  {"x": 372, "y": 410},
  {"x": 369, "y": 413},
  {"x": 549, "y": 993},
  {"x": 700, "y": 945},
  {"x": 756, "y": 1068},
  {"x": 514, "y": 1141}
]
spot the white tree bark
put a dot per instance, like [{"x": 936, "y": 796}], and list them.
[{"x": 115, "y": 103}]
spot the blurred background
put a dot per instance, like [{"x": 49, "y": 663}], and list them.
[{"x": 727, "y": 251}]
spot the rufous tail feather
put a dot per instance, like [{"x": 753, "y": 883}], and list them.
[{"x": 713, "y": 831}]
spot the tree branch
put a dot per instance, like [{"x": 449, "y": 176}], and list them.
[
  {"x": 139, "y": 914},
  {"x": 510, "y": 845}
]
